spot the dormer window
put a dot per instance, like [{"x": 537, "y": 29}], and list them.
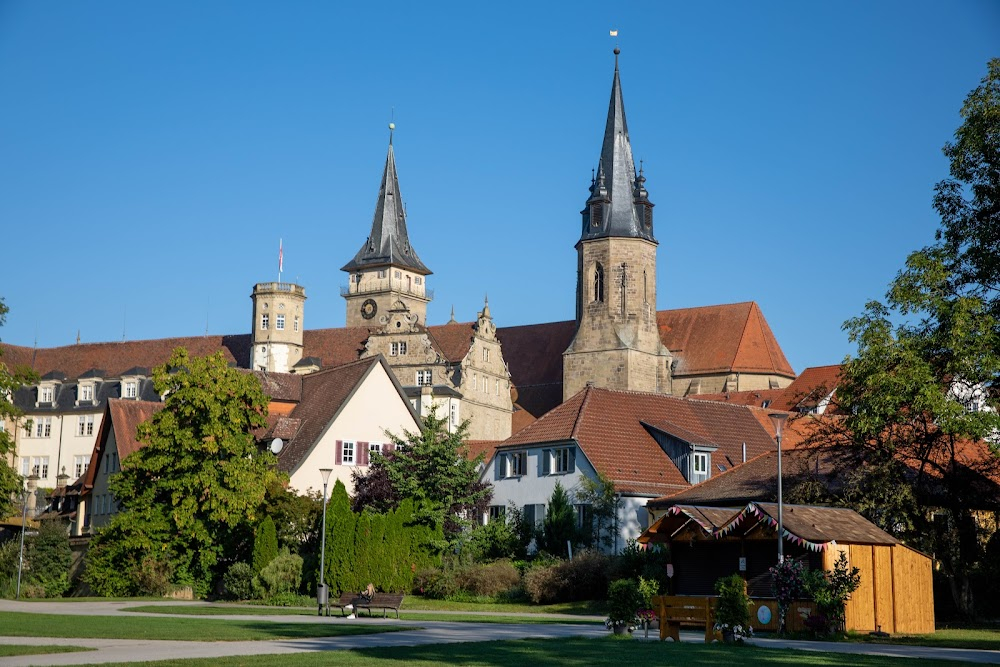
[
  {"x": 130, "y": 389},
  {"x": 699, "y": 466},
  {"x": 86, "y": 392},
  {"x": 45, "y": 395}
]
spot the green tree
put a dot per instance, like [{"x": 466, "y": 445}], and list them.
[
  {"x": 600, "y": 495},
  {"x": 11, "y": 379},
  {"x": 926, "y": 356},
  {"x": 432, "y": 468},
  {"x": 265, "y": 545},
  {"x": 559, "y": 525},
  {"x": 194, "y": 490},
  {"x": 340, "y": 528}
]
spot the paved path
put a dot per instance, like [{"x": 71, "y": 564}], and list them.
[{"x": 423, "y": 632}]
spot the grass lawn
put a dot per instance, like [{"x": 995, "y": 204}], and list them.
[
  {"x": 14, "y": 624},
  {"x": 7, "y": 650},
  {"x": 562, "y": 653},
  {"x": 253, "y": 610},
  {"x": 976, "y": 638},
  {"x": 585, "y": 608}
]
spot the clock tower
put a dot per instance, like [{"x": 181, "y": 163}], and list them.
[{"x": 386, "y": 274}]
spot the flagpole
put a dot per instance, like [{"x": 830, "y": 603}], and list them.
[{"x": 281, "y": 258}]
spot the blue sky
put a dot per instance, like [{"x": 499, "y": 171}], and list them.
[{"x": 153, "y": 153}]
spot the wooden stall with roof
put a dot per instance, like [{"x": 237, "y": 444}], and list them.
[{"x": 706, "y": 543}]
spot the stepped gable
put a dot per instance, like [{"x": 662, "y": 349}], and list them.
[
  {"x": 324, "y": 393},
  {"x": 116, "y": 358},
  {"x": 453, "y": 340},
  {"x": 729, "y": 338},
  {"x": 613, "y": 430}
]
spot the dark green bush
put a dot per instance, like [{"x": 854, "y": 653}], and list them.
[
  {"x": 153, "y": 577},
  {"x": 624, "y": 600},
  {"x": 265, "y": 545},
  {"x": 47, "y": 558},
  {"x": 282, "y": 575},
  {"x": 238, "y": 582},
  {"x": 583, "y": 578}
]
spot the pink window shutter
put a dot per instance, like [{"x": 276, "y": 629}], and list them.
[
  {"x": 338, "y": 457},
  {"x": 363, "y": 458}
]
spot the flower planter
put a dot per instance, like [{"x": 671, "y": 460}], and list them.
[{"x": 620, "y": 629}]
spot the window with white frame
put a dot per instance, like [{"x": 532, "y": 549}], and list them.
[
  {"x": 348, "y": 454},
  {"x": 374, "y": 448},
  {"x": 397, "y": 274},
  {"x": 25, "y": 466},
  {"x": 418, "y": 281},
  {"x": 382, "y": 273},
  {"x": 584, "y": 516},
  {"x": 515, "y": 464},
  {"x": 424, "y": 378},
  {"x": 397, "y": 349},
  {"x": 90, "y": 425},
  {"x": 130, "y": 389},
  {"x": 486, "y": 354},
  {"x": 497, "y": 513},
  {"x": 265, "y": 321},
  {"x": 558, "y": 461},
  {"x": 81, "y": 425},
  {"x": 40, "y": 466},
  {"x": 699, "y": 466},
  {"x": 454, "y": 413},
  {"x": 45, "y": 395},
  {"x": 86, "y": 392},
  {"x": 43, "y": 427},
  {"x": 279, "y": 322},
  {"x": 80, "y": 464},
  {"x": 295, "y": 323}
]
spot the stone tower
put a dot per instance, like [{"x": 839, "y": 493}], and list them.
[
  {"x": 617, "y": 343},
  {"x": 386, "y": 274},
  {"x": 276, "y": 332}
]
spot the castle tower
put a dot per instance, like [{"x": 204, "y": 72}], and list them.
[
  {"x": 276, "y": 332},
  {"x": 386, "y": 272},
  {"x": 617, "y": 344}
]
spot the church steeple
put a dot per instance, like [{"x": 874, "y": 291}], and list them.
[
  {"x": 614, "y": 208},
  {"x": 388, "y": 243},
  {"x": 386, "y": 273}
]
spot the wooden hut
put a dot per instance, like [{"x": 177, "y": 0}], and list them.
[{"x": 706, "y": 543}]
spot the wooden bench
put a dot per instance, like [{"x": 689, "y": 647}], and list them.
[
  {"x": 673, "y": 610},
  {"x": 383, "y": 601}
]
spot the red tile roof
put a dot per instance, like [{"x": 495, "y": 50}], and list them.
[
  {"x": 730, "y": 338},
  {"x": 474, "y": 448},
  {"x": 809, "y": 388},
  {"x": 753, "y": 397},
  {"x": 122, "y": 417},
  {"x": 608, "y": 425},
  {"x": 453, "y": 340}
]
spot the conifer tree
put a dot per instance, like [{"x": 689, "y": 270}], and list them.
[
  {"x": 265, "y": 545},
  {"x": 559, "y": 525}
]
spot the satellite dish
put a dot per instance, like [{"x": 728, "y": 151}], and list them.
[{"x": 276, "y": 445}]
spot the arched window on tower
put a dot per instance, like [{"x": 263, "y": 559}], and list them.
[
  {"x": 598, "y": 282},
  {"x": 645, "y": 288}
]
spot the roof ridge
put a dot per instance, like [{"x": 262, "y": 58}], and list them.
[
  {"x": 326, "y": 371},
  {"x": 755, "y": 308},
  {"x": 579, "y": 413}
]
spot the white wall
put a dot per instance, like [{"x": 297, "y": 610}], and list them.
[{"x": 374, "y": 408}]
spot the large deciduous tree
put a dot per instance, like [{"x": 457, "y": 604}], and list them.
[
  {"x": 928, "y": 362},
  {"x": 192, "y": 494},
  {"x": 11, "y": 379}
]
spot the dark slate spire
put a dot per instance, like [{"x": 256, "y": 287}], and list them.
[
  {"x": 388, "y": 243},
  {"x": 618, "y": 205}
]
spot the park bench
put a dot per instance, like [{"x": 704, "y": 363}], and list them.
[
  {"x": 674, "y": 610},
  {"x": 383, "y": 601}
]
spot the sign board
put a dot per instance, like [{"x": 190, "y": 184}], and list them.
[
  {"x": 670, "y": 570},
  {"x": 743, "y": 564}
]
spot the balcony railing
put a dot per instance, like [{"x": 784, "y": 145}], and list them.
[
  {"x": 373, "y": 286},
  {"x": 291, "y": 288}
]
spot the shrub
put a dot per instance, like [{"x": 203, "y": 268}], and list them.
[
  {"x": 786, "y": 586},
  {"x": 830, "y": 590},
  {"x": 152, "y": 577},
  {"x": 282, "y": 575},
  {"x": 624, "y": 600},
  {"x": 47, "y": 557},
  {"x": 648, "y": 588},
  {"x": 238, "y": 582},
  {"x": 265, "y": 545},
  {"x": 583, "y": 578},
  {"x": 488, "y": 580},
  {"x": 496, "y": 540},
  {"x": 9, "y": 553},
  {"x": 559, "y": 525},
  {"x": 649, "y": 562},
  {"x": 732, "y": 609}
]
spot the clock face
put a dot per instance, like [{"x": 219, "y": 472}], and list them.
[{"x": 368, "y": 309}]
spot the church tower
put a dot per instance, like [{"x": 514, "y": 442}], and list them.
[
  {"x": 617, "y": 343},
  {"x": 386, "y": 274}
]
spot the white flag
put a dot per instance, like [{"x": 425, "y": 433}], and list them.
[{"x": 614, "y": 33}]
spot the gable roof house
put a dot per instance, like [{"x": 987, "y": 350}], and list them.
[{"x": 647, "y": 444}]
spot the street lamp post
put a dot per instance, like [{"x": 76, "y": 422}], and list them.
[
  {"x": 321, "y": 592},
  {"x": 778, "y": 419},
  {"x": 24, "y": 528}
]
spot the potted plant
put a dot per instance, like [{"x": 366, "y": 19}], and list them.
[
  {"x": 624, "y": 600},
  {"x": 647, "y": 614},
  {"x": 732, "y": 609}
]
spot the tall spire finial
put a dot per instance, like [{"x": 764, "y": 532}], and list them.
[
  {"x": 617, "y": 51},
  {"x": 392, "y": 128}
]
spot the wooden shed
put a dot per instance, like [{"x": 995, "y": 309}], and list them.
[{"x": 706, "y": 543}]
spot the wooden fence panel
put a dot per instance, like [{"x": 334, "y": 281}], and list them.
[
  {"x": 859, "y": 612},
  {"x": 914, "y": 602},
  {"x": 882, "y": 577}
]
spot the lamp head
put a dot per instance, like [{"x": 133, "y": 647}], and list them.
[
  {"x": 325, "y": 472},
  {"x": 778, "y": 419}
]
